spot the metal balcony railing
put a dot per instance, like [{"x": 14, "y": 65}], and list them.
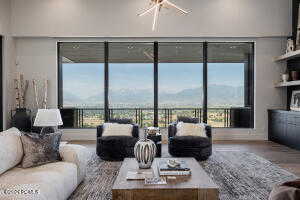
[{"x": 92, "y": 117}]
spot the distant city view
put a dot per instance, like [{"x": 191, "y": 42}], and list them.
[{"x": 131, "y": 88}]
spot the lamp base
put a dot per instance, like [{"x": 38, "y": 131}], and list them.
[{"x": 47, "y": 130}]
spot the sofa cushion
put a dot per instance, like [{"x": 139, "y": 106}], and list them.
[
  {"x": 115, "y": 129},
  {"x": 40, "y": 149},
  {"x": 189, "y": 141},
  {"x": 55, "y": 181},
  {"x": 11, "y": 151},
  {"x": 78, "y": 155},
  {"x": 190, "y": 129}
]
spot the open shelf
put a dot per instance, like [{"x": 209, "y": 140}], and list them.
[
  {"x": 288, "y": 56},
  {"x": 287, "y": 84}
]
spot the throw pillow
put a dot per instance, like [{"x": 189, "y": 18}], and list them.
[
  {"x": 190, "y": 129},
  {"x": 40, "y": 149},
  {"x": 115, "y": 129},
  {"x": 187, "y": 119},
  {"x": 120, "y": 121}
]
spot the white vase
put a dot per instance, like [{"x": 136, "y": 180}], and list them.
[
  {"x": 145, "y": 151},
  {"x": 285, "y": 77}
]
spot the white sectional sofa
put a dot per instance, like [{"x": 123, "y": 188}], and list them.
[{"x": 53, "y": 181}]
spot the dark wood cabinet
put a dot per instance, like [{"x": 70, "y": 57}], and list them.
[{"x": 284, "y": 127}]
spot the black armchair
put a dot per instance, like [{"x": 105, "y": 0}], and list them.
[
  {"x": 116, "y": 148},
  {"x": 189, "y": 146}
]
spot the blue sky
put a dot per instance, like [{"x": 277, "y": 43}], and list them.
[{"x": 87, "y": 79}]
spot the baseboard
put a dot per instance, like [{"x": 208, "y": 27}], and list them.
[
  {"x": 247, "y": 137},
  {"x": 238, "y": 134}
]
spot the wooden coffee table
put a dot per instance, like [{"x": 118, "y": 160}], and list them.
[{"x": 198, "y": 186}]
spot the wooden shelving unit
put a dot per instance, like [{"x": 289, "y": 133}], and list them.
[
  {"x": 287, "y": 84},
  {"x": 288, "y": 56}
]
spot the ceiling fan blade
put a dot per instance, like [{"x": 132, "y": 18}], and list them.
[{"x": 178, "y": 8}]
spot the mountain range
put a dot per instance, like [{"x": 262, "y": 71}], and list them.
[{"x": 218, "y": 96}]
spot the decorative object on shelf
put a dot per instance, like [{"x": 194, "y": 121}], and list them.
[
  {"x": 48, "y": 118},
  {"x": 298, "y": 31},
  {"x": 40, "y": 101},
  {"x": 295, "y": 101},
  {"x": 295, "y": 75},
  {"x": 145, "y": 151},
  {"x": 21, "y": 119},
  {"x": 290, "y": 46},
  {"x": 21, "y": 88},
  {"x": 36, "y": 93},
  {"x": 285, "y": 77},
  {"x": 157, "y": 5}
]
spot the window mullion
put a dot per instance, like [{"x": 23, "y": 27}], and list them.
[
  {"x": 204, "y": 82},
  {"x": 106, "y": 81},
  {"x": 155, "y": 83}
]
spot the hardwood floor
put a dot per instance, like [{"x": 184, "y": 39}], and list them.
[{"x": 283, "y": 156}]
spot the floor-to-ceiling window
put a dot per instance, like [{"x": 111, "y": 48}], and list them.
[
  {"x": 131, "y": 82},
  {"x": 82, "y": 84},
  {"x": 230, "y": 84},
  {"x": 155, "y": 82},
  {"x": 1, "y": 86},
  {"x": 180, "y": 78}
]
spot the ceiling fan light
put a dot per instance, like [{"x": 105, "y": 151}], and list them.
[{"x": 157, "y": 5}]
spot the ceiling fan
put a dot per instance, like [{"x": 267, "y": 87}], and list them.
[{"x": 157, "y": 5}]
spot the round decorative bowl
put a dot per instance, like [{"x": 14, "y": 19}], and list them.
[{"x": 144, "y": 152}]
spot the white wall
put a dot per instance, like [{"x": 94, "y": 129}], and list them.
[
  {"x": 4, "y": 17},
  {"x": 118, "y": 18},
  {"x": 8, "y": 59},
  {"x": 38, "y": 59}
]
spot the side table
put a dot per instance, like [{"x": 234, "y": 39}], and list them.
[{"x": 156, "y": 138}]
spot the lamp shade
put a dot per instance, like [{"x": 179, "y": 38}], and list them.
[{"x": 48, "y": 117}]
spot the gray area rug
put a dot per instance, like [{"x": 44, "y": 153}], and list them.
[{"x": 240, "y": 176}]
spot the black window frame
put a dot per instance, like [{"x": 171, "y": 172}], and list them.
[
  {"x": 1, "y": 83},
  {"x": 249, "y": 78}
]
